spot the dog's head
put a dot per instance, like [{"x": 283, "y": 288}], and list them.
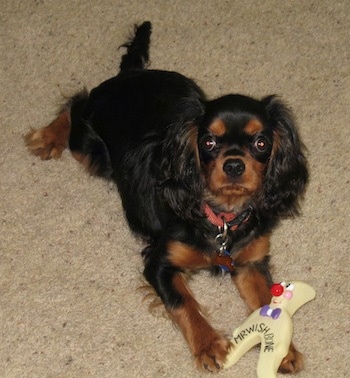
[
  {"x": 240, "y": 152},
  {"x": 250, "y": 153}
]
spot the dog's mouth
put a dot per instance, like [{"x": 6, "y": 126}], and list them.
[
  {"x": 228, "y": 198},
  {"x": 233, "y": 189}
]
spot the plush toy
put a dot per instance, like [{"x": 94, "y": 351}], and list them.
[{"x": 272, "y": 326}]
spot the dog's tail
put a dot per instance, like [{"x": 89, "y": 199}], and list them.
[{"x": 137, "y": 55}]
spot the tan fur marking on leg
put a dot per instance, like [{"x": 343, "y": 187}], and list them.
[
  {"x": 254, "y": 251},
  {"x": 207, "y": 346},
  {"x": 251, "y": 283},
  {"x": 186, "y": 257},
  {"x": 50, "y": 141},
  {"x": 252, "y": 287},
  {"x": 293, "y": 362}
]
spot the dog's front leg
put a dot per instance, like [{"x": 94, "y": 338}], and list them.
[
  {"x": 207, "y": 346},
  {"x": 253, "y": 281},
  {"x": 167, "y": 276}
]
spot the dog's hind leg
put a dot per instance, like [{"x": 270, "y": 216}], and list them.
[
  {"x": 50, "y": 141},
  {"x": 71, "y": 129}
]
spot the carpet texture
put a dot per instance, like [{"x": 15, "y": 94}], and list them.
[{"x": 70, "y": 269}]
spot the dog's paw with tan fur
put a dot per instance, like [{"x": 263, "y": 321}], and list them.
[
  {"x": 293, "y": 362},
  {"x": 50, "y": 141},
  {"x": 211, "y": 355}
]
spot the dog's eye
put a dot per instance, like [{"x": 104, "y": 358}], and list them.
[
  {"x": 261, "y": 144},
  {"x": 209, "y": 143}
]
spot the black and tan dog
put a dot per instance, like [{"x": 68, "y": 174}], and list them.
[{"x": 203, "y": 182}]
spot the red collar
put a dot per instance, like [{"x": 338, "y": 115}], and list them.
[
  {"x": 232, "y": 220},
  {"x": 217, "y": 218}
]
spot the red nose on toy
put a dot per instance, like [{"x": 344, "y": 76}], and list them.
[{"x": 277, "y": 289}]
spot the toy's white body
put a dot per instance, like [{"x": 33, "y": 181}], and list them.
[{"x": 271, "y": 326}]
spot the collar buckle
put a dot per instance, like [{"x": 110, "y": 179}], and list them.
[{"x": 222, "y": 237}]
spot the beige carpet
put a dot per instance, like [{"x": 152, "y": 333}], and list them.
[{"x": 69, "y": 304}]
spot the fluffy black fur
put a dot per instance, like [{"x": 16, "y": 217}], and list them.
[
  {"x": 138, "y": 129},
  {"x": 151, "y": 132}
]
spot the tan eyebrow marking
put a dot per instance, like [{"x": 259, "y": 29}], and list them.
[
  {"x": 218, "y": 128},
  {"x": 253, "y": 127}
]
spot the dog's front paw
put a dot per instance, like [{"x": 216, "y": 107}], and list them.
[
  {"x": 292, "y": 363},
  {"x": 211, "y": 355}
]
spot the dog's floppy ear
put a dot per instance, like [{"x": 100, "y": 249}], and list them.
[
  {"x": 287, "y": 172},
  {"x": 180, "y": 184}
]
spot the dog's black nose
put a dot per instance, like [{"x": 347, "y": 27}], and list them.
[{"x": 234, "y": 167}]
